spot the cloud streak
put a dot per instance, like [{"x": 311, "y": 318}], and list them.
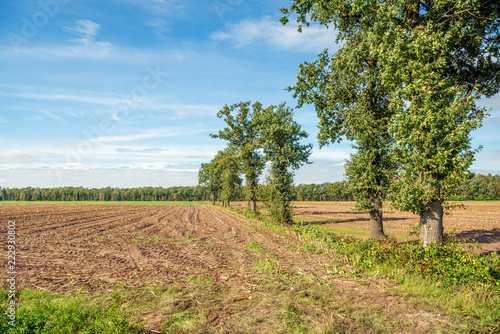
[
  {"x": 151, "y": 134},
  {"x": 65, "y": 97},
  {"x": 274, "y": 34}
]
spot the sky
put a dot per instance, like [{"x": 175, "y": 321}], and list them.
[{"x": 125, "y": 93}]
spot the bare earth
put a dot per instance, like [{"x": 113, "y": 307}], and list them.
[
  {"x": 64, "y": 248},
  {"x": 476, "y": 220}
]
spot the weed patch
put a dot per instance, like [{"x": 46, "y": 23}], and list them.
[
  {"x": 253, "y": 246},
  {"x": 43, "y": 312}
]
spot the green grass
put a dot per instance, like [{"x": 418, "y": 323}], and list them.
[
  {"x": 269, "y": 267},
  {"x": 339, "y": 229},
  {"x": 253, "y": 246},
  {"x": 105, "y": 202},
  {"x": 446, "y": 276},
  {"x": 183, "y": 322},
  {"x": 141, "y": 238},
  {"x": 43, "y": 312}
]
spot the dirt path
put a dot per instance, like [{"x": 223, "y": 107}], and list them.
[{"x": 62, "y": 248}]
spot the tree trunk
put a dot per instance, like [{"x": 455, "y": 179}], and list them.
[
  {"x": 431, "y": 224},
  {"x": 213, "y": 201},
  {"x": 253, "y": 206},
  {"x": 376, "y": 223}
]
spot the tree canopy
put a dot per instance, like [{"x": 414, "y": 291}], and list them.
[
  {"x": 242, "y": 134},
  {"x": 280, "y": 141},
  {"x": 350, "y": 101},
  {"x": 435, "y": 59}
]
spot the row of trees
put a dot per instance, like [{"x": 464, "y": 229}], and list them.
[
  {"x": 403, "y": 87},
  {"x": 104, "y": 194},
  {"x": 479, "y": 187},
  {"x": 257, "y": 135}
]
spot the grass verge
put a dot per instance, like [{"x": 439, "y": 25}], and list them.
[
  {"x": 43, "y": 312},
  {"x": 445, "y": 275}
]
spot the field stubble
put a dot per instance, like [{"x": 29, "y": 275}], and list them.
[
  {"x": 473, "y": 220},
  {"x": 198, "y": 268}
]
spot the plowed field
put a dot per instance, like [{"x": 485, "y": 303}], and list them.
[
  {"x": 473, "y": 220},
  {"x": 235, "y": 274}
]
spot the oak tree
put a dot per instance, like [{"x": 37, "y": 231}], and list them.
[
  {"x": 241, "y": 132},
  {"x": 436, "y": 58},
  {"x": 351, "y": 102},
  {"x": 280, "y": 141}
]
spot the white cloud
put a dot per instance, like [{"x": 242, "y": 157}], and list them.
[
  {"x": 273, "y": 33},
  {"x": 151, "y": 134},
  {"x": 85, "y": 46},
  {"x": 18, "y": 153},
  {"x": 112, "y": 101},
  {"x": 321, "y": 170},
  {"x": 51, "y": 115},
  {"x": 86, "y": 27},
  {"x": 66, "y": 97},
  {"x": 158, "y": 7},
  {"x": 159, "y": 25},
  {"x": 493, "y": 103}
]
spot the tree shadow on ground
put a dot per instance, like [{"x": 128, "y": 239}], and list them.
[
  {"x": 481, "y": 236},
  {"x": 485, "y": 237},
  {"x": 323, "y": 212},
  {"x": 333, "y": 221}
]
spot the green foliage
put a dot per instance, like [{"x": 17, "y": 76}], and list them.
[
  {"x": 449, "y": 263},
  {"x": 42, "y": 312},
  {"x": 102, "y": 195},
  {"x": 479, "y": 187},
  {"x": 221, "y": 175},
  {"x": 280, "y": 141},
  {"x": 269, "y": 267},
  {"x": 427, "y": 63},
  {"x": 208, "y": 178},
  {"x": 351, "y": 101},
  {"x": 442, "y": 67},
  {"x": 253, "y": 246},
  {"x": 181, "y": 323},
  {"x": 328, "y": 191},
  {"x": 242, "y": 133}
]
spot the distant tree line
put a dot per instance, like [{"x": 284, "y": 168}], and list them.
[
  {"x": 103, "y": 194},
  {"x": 479, "y": 187}
]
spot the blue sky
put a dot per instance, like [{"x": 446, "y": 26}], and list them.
[{"x": 125, "y": 92}]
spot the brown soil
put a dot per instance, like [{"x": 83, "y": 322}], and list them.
[
  {"x": 473, "y": 220},
  {"x": 65, "y": 248}
]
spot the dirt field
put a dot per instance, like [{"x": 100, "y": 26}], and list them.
[
  {"x": 476, "y": 220},
  {"x": 214, "y": 261}
]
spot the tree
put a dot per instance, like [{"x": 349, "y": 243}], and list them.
[
  {"x": 447, "y": 58},
  {"x": 280, "y": 140},
  {"x": 350, "y": 101},
  {"x": 227, "y": 168},
  {"x": 242, "y": 134},
  {"x": 436, "y": 58},
  {"x": 221, "y": 175},
  {"x": 208, "y": 177}
]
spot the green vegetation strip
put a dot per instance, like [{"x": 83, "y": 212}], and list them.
[
  {"x": 106, "y": 202},
  {"x": 44, "y": 312},
  {"x": 444, "y": 274},
  {"x": 330, "y": 228}
]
